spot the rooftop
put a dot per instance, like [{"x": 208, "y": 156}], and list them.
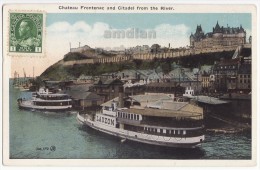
[
  {"x": 83, "y": 95},
  {"x": 150, "y": 97},
  {"x": 163, "y": 112},
  {"x": 109, "y": 103}
]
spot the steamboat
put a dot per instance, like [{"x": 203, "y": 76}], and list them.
[
  {"x": 155, "y": 119},
  {"x": 43, "y": 100}
]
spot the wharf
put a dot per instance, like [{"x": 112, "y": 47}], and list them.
[
  {"x": 208, "y": 100},
  {"x": 234, "y": 96}
]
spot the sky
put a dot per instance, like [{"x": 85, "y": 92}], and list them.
[{"x": 88, "y": 29}]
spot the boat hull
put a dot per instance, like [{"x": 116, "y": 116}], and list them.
[
  {"x": 27, "y": 106},
  {"x": 144, "y": 138}
]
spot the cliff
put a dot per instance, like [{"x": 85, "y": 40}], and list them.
[{"x": 64, "y": 71}]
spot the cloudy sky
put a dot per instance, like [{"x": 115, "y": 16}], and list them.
[{"x": 89, "y": 29}]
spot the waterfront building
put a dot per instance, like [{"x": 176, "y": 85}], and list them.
[
  {"x": 82, "y": 98},
  {"x": 244, "y": 78},
  {"x": 107, "y": 88},
  {"x": 234, "y": 75},
  {"x": 184, "y": 77},
  {"x": 226, "y": 74},
  {"x": 205, "y": 81},
  {"x": 165, "y": 87}
]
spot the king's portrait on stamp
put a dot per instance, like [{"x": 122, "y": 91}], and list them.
[{"x": 26, "y": 32}]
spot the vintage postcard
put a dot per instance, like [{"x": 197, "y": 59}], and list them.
[{"x": 129, "y": 84}]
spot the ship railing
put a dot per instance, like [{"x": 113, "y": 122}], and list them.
[{"x": 108, "y": 112}]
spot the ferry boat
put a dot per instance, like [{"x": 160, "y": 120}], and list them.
[
  {"x": 151, "y": 119},
  {"x": 44, "y": 100}
]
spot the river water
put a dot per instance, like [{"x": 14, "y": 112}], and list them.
[{"x": 58, "y": 135}]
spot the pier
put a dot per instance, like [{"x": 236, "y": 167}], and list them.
[{"x": 208, "y": 100}]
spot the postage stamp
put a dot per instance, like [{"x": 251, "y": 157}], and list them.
[
  {"x": 26, "y": 33},
  {"x": 102, "y": 84}
]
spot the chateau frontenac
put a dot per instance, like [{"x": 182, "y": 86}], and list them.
[{"x": 219, "y": 37}]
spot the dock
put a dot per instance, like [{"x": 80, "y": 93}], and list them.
[{"x": 208, "y": 100}]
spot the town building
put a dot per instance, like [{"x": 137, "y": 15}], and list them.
[
  {"x": 205, "y": 82},
  {"x": 82, "y": 98},
  {"x": 107, "y": 88},
  {"x": 219, "y": 37},
  {"x": 234, "y": 75},
  {"x": 83, "y": 79},
  {"x": 226, "y": 74},
  {"x": 244, "y": 78},
  {"x": 186, "y": 77}
]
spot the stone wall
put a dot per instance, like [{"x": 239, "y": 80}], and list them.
[{"x": 150, "y": 56}]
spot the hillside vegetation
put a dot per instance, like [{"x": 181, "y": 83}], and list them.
[{"x": 61, "y": 72}]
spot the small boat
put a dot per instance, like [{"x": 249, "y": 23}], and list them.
[{"x": 43, "y": 100}]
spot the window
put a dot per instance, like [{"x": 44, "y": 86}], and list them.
[
  {"x": 184, "y": 132},
  {"x": 134, "y": 116},
  {"x": 137, "y": 117},
  {"x": 94, "y": 103}
]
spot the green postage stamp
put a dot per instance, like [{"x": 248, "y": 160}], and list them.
[{"x": 26, "y": 33}]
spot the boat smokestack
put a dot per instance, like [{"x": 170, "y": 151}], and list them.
[{"x": 121, "y": 97}]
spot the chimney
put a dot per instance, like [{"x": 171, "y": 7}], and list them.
[{"x": 121, "y": 97}]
